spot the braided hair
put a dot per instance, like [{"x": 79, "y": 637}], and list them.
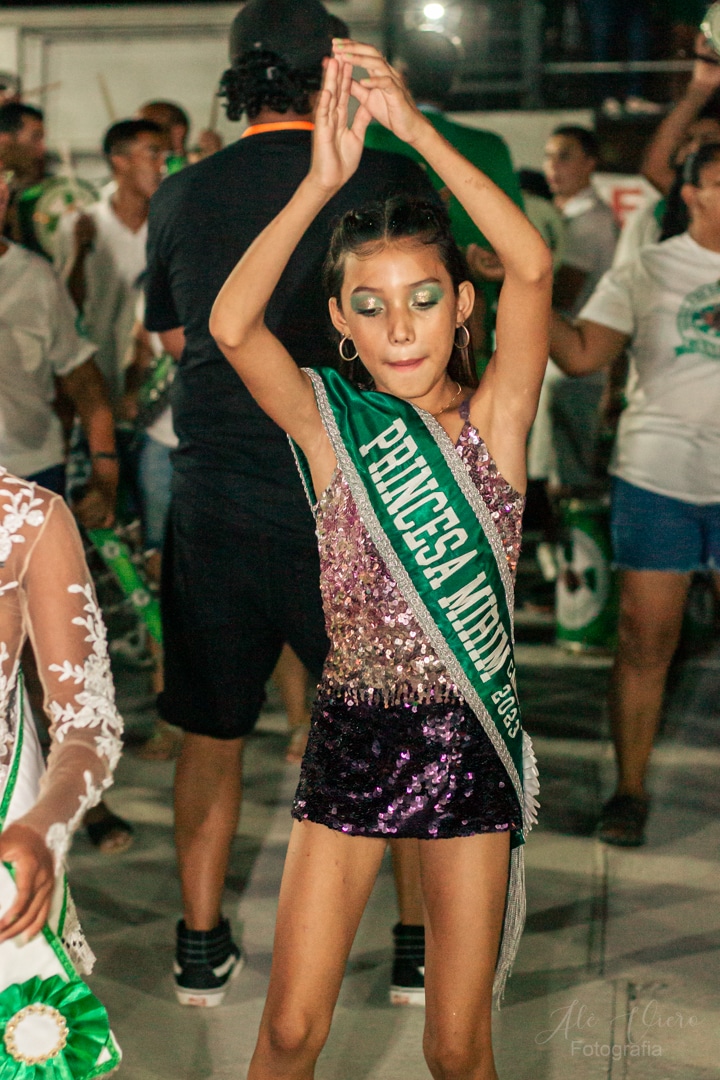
[
  {"x": 378, "y": 223},
  {"x": 262, "y": 79}
]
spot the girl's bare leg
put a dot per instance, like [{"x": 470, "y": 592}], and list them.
[
  {"x": 326, "y": 883},
  {"x": 464, "y": 884}
]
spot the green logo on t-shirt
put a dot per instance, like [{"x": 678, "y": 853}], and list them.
[{"x": 698, "y": 322}]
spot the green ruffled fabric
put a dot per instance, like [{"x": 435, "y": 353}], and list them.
[{"x": 86, "y": 1019}]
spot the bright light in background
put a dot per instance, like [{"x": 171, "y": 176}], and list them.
[{"x": 434, "y": 17}]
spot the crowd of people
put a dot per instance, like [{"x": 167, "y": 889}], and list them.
[{"x": 387, "y": 294}]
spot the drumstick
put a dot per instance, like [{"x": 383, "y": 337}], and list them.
[
  {"x": 214, "y": 111},
  {"x": 69, "y": 170},
  {"x": 107, "y": 99},
  {"x": 66, "y": 159},
  {"x": 38, "y": 91}
]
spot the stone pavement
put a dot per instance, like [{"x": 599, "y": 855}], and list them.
[{"x": 617, "y": 976}]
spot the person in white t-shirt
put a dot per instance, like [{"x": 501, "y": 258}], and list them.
[
  {"x": 39, "y": 345},
  {"x": 571, "y": 157},
  {"x": 664, "y": 307},
  {"x": 101, "y": 253}
]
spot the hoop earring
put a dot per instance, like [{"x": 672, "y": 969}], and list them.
[
  {"x": 466, "y": 342},
  {"x": 349, "y": 359}
]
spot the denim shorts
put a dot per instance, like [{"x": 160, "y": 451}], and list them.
[
  {"x": 154, "y": 481},
  {"x": 655, "y": 532}
]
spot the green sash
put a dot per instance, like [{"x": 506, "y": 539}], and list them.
[
  {"x": 438, "y": 539},
  {"x": 440, "y": 544}
]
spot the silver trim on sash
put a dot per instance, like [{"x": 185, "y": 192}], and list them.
[{"x": 482, "y": 513}]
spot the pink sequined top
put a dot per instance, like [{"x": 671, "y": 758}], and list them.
[{"x": 377, "y": 647}]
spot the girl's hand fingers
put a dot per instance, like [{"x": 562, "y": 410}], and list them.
[
  {"x": 359, "y": 92},
  {"x": 361, "y": 120},
  {"x": 32, "y": 920},
  {"x": 380, "y": 82},
  {"x": 346, "y": 82},
  {"x": 330, "y": 78},
  {"x": 366, "y": 56},
  {"x": 36, "y": 915},
  {"x": 361, "y": 48},
  {"x": 34, "y": 879}
]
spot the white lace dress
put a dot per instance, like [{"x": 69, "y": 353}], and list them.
[{"x": 46, "y": 595}]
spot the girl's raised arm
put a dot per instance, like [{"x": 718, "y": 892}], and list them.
[
  {"x": 516, "y": 371},
  {"x": 237, "y": 321}
]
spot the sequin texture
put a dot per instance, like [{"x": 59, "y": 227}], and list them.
[
  {"x": 388, "y": 710},
  {"x": 376, "y": 643},
  {"x": 411, "y": 770}
]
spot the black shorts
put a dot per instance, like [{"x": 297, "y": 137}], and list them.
[{"x": 231, "y": 598}]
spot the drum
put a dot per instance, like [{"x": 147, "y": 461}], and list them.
[
  {"x": 41, "y": 207},
  {"x": 154, "y": 394},
  {"x": 117, "y": 557},
  {"x": 587, "y": 590}
]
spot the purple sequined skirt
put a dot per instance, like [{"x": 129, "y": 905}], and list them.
[{"x": 422, "y": 770}]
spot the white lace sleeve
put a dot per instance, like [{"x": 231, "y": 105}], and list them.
[{"x": 68, "y": 636}]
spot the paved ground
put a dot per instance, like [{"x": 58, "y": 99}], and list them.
[{"x": 617, "y": 977}]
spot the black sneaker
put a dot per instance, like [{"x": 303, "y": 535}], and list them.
[
  {"x": 205, "y": 962},
  {"x": 408, "y": 974}
]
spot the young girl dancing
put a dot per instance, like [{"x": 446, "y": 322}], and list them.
[{"x": 416, "y": 473}]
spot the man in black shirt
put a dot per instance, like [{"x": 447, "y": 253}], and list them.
[{"x": 240, "y": 571}]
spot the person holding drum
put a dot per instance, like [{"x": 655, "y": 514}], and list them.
[
  {"x": 101, "y": 252},
  {"x": 40, "y": 346},
  {"x": 664, "y": 307}
]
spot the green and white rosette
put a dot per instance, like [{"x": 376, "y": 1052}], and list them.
[{"x": 52, "y": 1027}]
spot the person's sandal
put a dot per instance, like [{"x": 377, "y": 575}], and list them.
[
  {"x": 111, "y": 834},
  {"x": 622, "y": 820}
]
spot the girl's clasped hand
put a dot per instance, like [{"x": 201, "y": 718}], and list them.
[{"x": 381, "y": 96}]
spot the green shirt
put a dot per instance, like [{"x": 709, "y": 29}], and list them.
[{"x": 485, "y": 150}]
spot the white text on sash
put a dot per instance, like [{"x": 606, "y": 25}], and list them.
[{"x": 441, "y": 547}]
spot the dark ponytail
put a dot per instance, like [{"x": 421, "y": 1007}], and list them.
[{"x": 262, "y": 79}]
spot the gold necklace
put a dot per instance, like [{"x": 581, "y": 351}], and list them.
[{"x": 450, "y": 403}]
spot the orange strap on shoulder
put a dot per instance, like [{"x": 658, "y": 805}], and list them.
[{"x": 288, "y": 125}]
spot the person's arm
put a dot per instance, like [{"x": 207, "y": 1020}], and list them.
[
  {"x": 141, "y": 356},
  {"x": 71, "y": 359},
  {"x": 606, "y": 325},
  {"x": 83, "y": 238},
  {"x": 237, "y": 321},
  {"x": 86, "y": 388},
  {"x": 584, "y": 347},
  {"x": 173, "y": 342},
  {"x": 705, "y": 81},
  {"x": 65, "y": 627},
  {"x": 569, "y": 283}
]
